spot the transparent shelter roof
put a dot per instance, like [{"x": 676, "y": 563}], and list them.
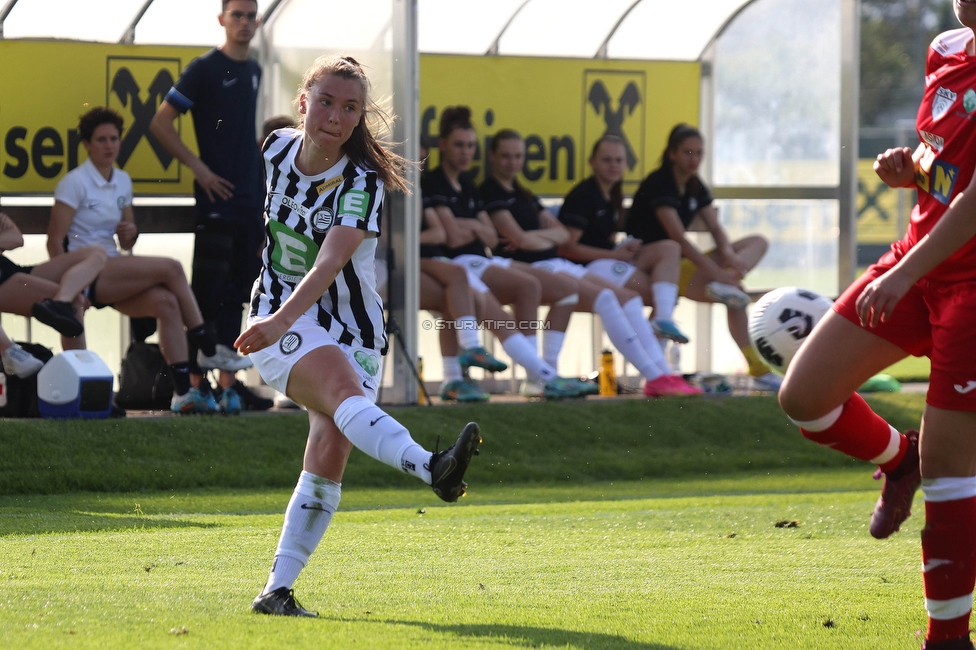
[{"x": 625, "y": 29}]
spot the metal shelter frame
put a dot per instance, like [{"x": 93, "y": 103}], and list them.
[{"x": 404, "y": 25}]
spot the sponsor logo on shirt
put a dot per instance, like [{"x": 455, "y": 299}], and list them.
[
  {"x": 294, "y": 206},
  {"x": 328, "y": 185},
  {"x": 692, "y": 204},
  {"x": 934, "y": 141},
  {"x": 944, "y": 99},
  {"x": 969, "y": 100},
  {"x": 229, "y": 82},
  {"x": 939, "y": 181},
  {"x": 293, "y": 254},
  {"x": 120, "y": 202},
  {"x": 354, "y": 203}
]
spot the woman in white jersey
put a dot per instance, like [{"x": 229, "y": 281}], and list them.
[
  {"x": 93, "y": 205},
  {"x": 315, "y": 330}
]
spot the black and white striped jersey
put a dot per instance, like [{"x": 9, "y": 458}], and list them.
[{"x": 299, "y": 212}]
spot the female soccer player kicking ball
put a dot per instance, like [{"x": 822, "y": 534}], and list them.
[
  {"x": 919, "y": 298},
  {"x": 315, "y": 330}
]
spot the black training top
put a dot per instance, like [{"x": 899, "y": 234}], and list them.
[
  {"x": 466, "y": 204},
  {"x": 660, "y": 189},
  {"x": 430, "y": 250},
  {"x": 525, "y": 208},
  {"x": 222, "y": 95},
  {"x": 585, "y": 208}
]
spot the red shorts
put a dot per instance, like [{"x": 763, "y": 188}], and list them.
[{"x": 934, "y": 319}]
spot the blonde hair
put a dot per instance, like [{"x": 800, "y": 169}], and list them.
[{"x": 362, "y": 147}]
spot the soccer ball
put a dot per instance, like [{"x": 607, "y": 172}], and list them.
[{"x": 781, "y": 320}]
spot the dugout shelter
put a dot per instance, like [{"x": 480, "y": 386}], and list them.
[{"x": 771, "y": 83}]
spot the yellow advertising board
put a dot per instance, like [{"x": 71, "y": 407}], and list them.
[
  {"x": 46, "y": 85},
  {"x": 561, "y": 107}
]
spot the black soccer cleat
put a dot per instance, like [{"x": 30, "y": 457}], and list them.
[
  {"x": 59, "y": 315},
  {"x": 280, "y": 602},
  {"x": 447, "y": 467}
]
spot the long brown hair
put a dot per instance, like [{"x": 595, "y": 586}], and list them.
[{"x": 362, "y": 147}]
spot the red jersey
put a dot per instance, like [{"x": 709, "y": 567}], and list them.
[{"x": 946, "y": 125}]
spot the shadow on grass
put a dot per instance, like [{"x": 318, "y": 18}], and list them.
[
  {"x": 82, "y": 522},
  {"x": 534, "y": 637}
]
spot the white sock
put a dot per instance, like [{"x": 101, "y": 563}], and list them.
[
  {"x": 533, "y": 340},
  {"x": 377, "y": 434},
  {"x": 452, "y": 369},
  {"x": 665, "y": 298},
  {"x": 552, "y": 344},
  {"x": 308, "y": 514},
  {"x": 634, "y": 310},
  {"x": 467, "y": 332},
  {"x": 519, "y": 349},
  {"x": 622, "y": 334}
]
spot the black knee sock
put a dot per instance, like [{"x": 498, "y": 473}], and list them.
[
  {"x": 202, "y": 339},
  {"x": 180, "y": 374}
]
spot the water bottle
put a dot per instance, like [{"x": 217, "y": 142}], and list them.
[
  {"x": 674, "y": 357},
  {"x": 608, "y": 377},
  {"x": 420, "y": 378}
]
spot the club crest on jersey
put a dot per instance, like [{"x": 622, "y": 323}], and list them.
[
  {"x": 944, "y": 99},
  {"x": 969, "y": 100},
  {"x": 932, "y": 140},
  {"x": 290, "y": 342},
  {"x": 322, "y": 219}
]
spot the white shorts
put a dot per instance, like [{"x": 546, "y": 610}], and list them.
[
  {"x": 276, "y": 361},
  {"x": 478, "y": 264},
  {"x": 615, "y": 271},
  {"x": 474, "y": 281},
  {"x": 559, "y": 265}
]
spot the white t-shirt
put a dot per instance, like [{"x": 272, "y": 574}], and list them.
[{"x": 98, "y": 205}]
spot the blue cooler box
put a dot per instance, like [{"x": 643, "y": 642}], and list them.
[{"x": 75, "y": 384}]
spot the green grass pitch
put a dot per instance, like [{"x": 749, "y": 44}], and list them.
[{"x": 599, "y": 525}]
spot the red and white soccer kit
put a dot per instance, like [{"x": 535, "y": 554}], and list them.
[{"x": 938, "y": 316}]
